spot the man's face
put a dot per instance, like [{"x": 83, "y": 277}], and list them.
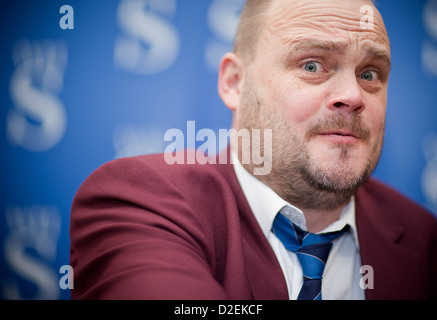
[{"x": 319, "y": 80}]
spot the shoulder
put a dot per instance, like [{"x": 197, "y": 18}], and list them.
[
  {"x": 132, "y": 217},
  {"x": 149, "y": 181},
  {"x": 148, "y": 170}
]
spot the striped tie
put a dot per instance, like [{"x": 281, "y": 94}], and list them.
[{"x": 312, "y": 251}]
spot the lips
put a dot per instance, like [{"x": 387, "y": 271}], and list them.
[
  {"x": 340, "y": 137},
  {"x": 341, "y": 134}
]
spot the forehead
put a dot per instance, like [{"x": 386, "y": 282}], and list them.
[{"x": 335, "y": 21}]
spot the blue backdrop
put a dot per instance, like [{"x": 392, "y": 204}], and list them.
[{"x": 96, "y": 80}]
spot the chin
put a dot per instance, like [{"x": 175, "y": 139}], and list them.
[
  {"x": 342, "y": 177},
  {"x": 337, "y": 173},
  {"x": 344, "y": 155}
]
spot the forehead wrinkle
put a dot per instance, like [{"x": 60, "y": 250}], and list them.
[
  {"x": 295, "y": 20},
  {"x": 309, "y": 15}
]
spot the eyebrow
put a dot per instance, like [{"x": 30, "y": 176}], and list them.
[
  {"x": 311, "y": 44},
  {"x": 373, "y": 51},
  {"x": 378, "y": 53}
]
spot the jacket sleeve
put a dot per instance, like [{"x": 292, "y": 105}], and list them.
[{"x": 134, "y": 236}]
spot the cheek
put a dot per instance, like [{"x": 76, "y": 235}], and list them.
[
  {"x": 376, "y": 118},
  {"x": 297, "y": 105}
]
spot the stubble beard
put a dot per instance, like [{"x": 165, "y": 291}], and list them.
[{"x": 308, "y": 185}]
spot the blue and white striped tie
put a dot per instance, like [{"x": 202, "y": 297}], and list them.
[{"x": 312, "y": 251}]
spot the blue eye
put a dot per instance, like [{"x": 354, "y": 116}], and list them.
[
  {"x": 369, "y": 76},
  {"x": 312, "y": 66}
]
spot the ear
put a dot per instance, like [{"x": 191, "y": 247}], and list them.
[{"x": 230, "y": 80}]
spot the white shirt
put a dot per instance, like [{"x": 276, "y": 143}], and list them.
[{"x": 341, "y": 277}]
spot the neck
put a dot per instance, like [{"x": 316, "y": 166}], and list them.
[
  {"x": 317, "y": 220},
  {"x": 320, "y": 207}
]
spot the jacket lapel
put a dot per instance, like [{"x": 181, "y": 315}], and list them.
[
  {"x": 263, "y": 270},
  {"x": 379, "y": 235}
]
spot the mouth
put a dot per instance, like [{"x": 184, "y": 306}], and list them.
[
  {"x": 340, "y": 136},
  {"x": 339, "y": 130}
]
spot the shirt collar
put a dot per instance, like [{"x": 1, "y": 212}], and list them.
[{"x": 265, "y": 205}]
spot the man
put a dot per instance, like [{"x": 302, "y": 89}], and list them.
[{"x": 313, "y": 75}]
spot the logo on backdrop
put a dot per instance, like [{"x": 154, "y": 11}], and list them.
[
  {"x": 223, "y": 17},
  {"x": 29, "y": 250},
  {"x": 429, "y": 66},
  {"x": 130, "y": 140},
  {"x": 429, "y": 46},
  {"x": 149, "y": 43},
  {"x": 38, "y": 120}
]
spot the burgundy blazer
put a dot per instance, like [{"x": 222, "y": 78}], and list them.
[{"x": 143, "y": 229}]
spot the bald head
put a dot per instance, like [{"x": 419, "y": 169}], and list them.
[{"x": 253, "y": 20}]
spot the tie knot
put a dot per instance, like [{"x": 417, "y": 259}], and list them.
[
  {"x": 294, "y": 238},
  {"x": 311, "y": 249},
  {"x": 307, "y": 238}
]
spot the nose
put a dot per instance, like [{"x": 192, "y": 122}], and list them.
[{"x": 346, "y": 94}]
